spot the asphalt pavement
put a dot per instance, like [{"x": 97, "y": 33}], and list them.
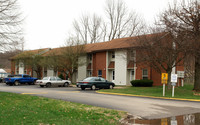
[{"x": 148, "y": 108}]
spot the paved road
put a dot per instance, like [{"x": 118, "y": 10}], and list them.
[{"x": 143, "y": 107}]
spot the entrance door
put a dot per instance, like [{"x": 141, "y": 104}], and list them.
[
  {"x": 113, "y": 75},
  {"x": 132, "y": 75}
]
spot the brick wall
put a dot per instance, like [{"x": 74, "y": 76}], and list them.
[
  {"x": 12, "y": 67},
  {"x": 99, "y": 63}
]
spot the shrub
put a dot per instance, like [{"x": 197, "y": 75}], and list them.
[
  {"x": 142, "y": 83},
  {"x": 61, "y": 76}
]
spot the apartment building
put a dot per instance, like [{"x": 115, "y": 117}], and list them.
[{"x": 114, "y": 60}]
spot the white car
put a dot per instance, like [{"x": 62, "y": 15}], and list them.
[{"x": 53, "y": 81}]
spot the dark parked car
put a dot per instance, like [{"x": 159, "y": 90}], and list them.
[{"x": 95, "y": 82}]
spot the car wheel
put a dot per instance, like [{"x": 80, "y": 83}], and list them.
[
  {"x": 82, "y": 88},
  {"x": 66, "y": 84},
  {"x": 48, "y": 85},
  {"x": 42, "y": 86},
  {"x": 16, "y": 83},
  {"x": 111, "y": 87},
  {"x": 93, "y": 87}
]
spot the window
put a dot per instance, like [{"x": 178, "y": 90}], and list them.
[
  {"x": 102, "y": 79},
  {"x": 97, "y": 79},
  {"x": 132, "y": 75},
  {"x": 21, "y": 65},
  {"x": 132, "y": 55},
  {"x": 26, "y": 76},
  {"x": 52, "y": 79},
  {"x": 144, "y": 74},
  {"x": 90, "y": 57},
  {"x": 89, "y": 73},
  {"x": 58, "y": 79},
  {"x": 113, "y": 54},
  {"x": 99, "y": 73},
  {"x": 17, "y": 76},
  {"x": 113, "y": 75}
]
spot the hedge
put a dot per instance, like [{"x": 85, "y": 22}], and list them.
[{"x": 142, "y": 83}]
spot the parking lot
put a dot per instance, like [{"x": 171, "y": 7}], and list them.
[{"x": 144, "y": 107}]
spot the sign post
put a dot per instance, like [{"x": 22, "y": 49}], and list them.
[
  {"x": 181, "y": 76},
  {"x": 164, "y": 79},
  {"x": 174, "y": 81}
]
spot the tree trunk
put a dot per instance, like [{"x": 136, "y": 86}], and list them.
[
  {"x": 197, "y": 74},
  {"x": 169, "y": 86},
  {"x": 71, "y": 77}
]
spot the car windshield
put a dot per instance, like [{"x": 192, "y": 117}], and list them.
[
  {"x": 89, "y": 79},
  {"x": 17, "y": 76},
  {"x": 10, "y": 75},
  {"x": 45, "y": 78}
]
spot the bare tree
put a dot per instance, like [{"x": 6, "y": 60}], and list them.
[
  {"x": 122, "y": 23},
  {"x": 184, "y": 20},
  {"x": 119, "y": 22},
  {"x": 81, "y": 28},
  {"x": 33, "y": 60},
  {"x": 161, "y": 51},
  {"x": 95, "y": 31},
  {"x": 88, "y": 29},
  {"x": 5, "y": 58},
  {"x": 10, "y": 21},
  {"x": 65, "y": 59}
]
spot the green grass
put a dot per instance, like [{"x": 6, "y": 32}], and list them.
[
  {"x": 180, "y": 92},
  {"x": 17, "y": 109}
]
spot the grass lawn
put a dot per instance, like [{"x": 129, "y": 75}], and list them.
[
  {"x": 17, "y": 109},
  {"x": 180, "y": 92}
]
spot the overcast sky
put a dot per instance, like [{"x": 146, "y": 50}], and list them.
[{"x": 47, "y": 22}]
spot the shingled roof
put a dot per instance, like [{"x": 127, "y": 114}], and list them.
[
  {"x": 101, "y": 46},
  {"x": 110, "y": 45},
  {"x": 37, "y": 51},
  {"x": 120, "y": 43}
]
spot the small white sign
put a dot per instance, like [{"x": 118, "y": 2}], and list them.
[
  {"x": 173, "y": 122},
  {"x": 174, "y": 78},
  {"x": 173, "y": 84},
  {"x": 180, "y": 74}
]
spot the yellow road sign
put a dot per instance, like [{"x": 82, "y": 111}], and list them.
[
  {"x": 163, "y": 121},
  {"x": 164, "y": 78}
]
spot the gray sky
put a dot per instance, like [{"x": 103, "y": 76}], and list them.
[{"x": 48, "y": 22}]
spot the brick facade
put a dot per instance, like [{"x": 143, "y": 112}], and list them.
[
  {"x": 99, "y": 63},
  {"x": 121, "y": 70}
]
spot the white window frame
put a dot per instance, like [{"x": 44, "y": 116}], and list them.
[
  {"x": 89, "y": 73},
  {"x": 101, "y": 73},
  {"x": 112, "y": 54},
  {"x": 132, "y": 55},
  {"x": 146, "y": 75},
  {"x": 90, "y": 57}
]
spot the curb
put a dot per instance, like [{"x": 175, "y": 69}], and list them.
[{"x": 167, "y": 98}]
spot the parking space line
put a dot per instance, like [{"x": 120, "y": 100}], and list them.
[
  {"x": 68, "y": 92},
  {"x": 34, "y": 93}
]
